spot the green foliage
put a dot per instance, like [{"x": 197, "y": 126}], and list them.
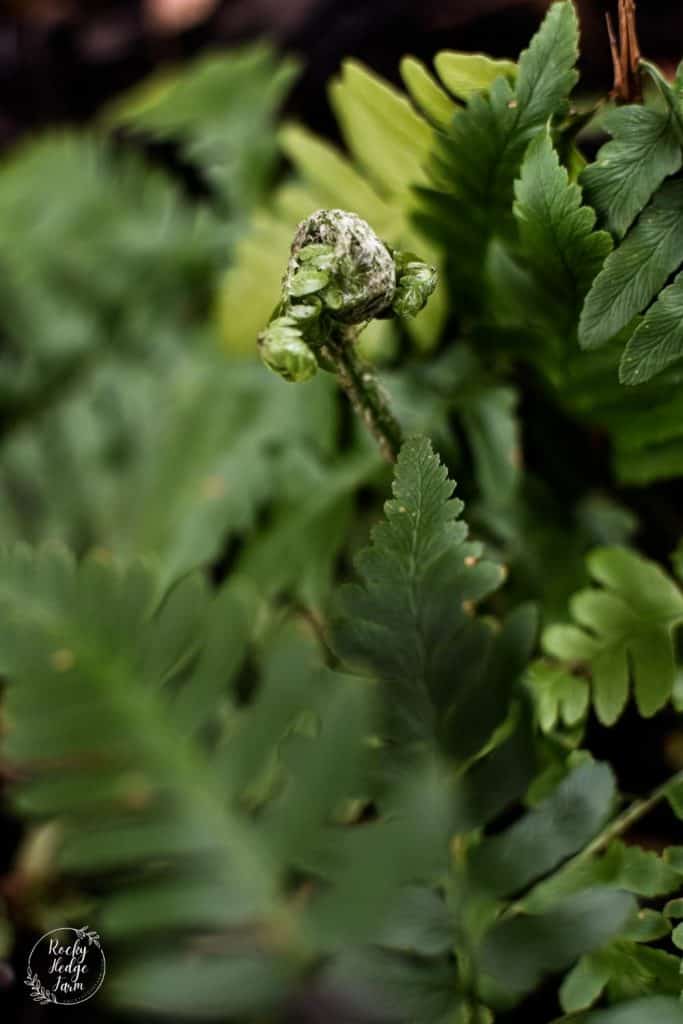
[
  {"x": 658, "y": 1010},
  {"x": 221, "y": 113},
  {"x": 628, "y": 170},
  {"x": 426, "y": 93},
  {"x": 556, "y": 236},
  {"x": 634, "y": 273},
  {"x": 413, "y": 611},
  {"x": 657, "y": 341},
  {"x": 98, "y": 661},
  {"x": 269, "y": 787},
  {"x": 466, "y": 73},
  {"x": 623, "y": 631},
  {"x": 477, "y": 160}
]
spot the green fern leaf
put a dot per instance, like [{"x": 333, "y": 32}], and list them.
[
  {"x": 657, "y": 340},
  {"x": 622, "y": 630},
  {"x": 563, "y": 824},
  {"x": 546, "y": 74},
  {"x": 478, "y": 160},
  {"x": 221, "y": 109},
  {"x": 634, "y": 273},
  {"x": 382, "y": 130},
  {"x": 556, "y": 231},
  {"x": 426, "y": 93},
  {"x": 110, "y": 688},
  {"x": 467, "y": 73},
  {"x": 658, "y": 1010},
  {"x": 520, "y": 949},
  {"x": 628, "y": 170},
  {"x": 560, "y": 696},
  {"x": 410, "y": 620},
  {"x": 622, "y": 967}
]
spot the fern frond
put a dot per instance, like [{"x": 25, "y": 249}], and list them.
[
  {"x": 556, "y": 235},
  {"x": 476, "y": 162},
  {"x": 221, "y": 110},
  {"x": 634, "y": 273},
  {"x": 111, "y": 688},
  {"x": 623, "y": 631},
  {"x": 645, "y": 150},
  {"x": 411, "y": 622}
]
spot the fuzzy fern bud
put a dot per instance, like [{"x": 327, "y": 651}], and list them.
[
  {"x": 284, "y": 351},
  {"x": 340, "y": 275},
  {"x": 415, "y": 282},
  {"x": 338, "y": 257}
]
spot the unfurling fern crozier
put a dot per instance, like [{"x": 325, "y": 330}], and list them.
[{"x": 339, "y": 277}]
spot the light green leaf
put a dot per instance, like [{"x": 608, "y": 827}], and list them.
[
  {"x": 465, "y": 73},
  {"x": 675, "y": 790},
  {"x": 560, "y": 695},
  {"x": 674, "y": 908},
  {"x": 647, "y": 926},
  {"x": 624, "y": 630},
  {"x": 382, "y": 130},
  {"x": 639, "y": 871},
  {"x": 331, "y": 176},
  {"x": 586, "y": 982},
  {"x": 425, "y": 92},
  {"x": 634, "y": 273}
]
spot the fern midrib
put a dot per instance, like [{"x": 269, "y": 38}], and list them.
[
  {"x": 174, "y": 755},
  {"x": 566, "y": 267},
  {"x": 412, "y": 589}
]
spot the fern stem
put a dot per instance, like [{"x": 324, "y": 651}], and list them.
[
  {"x": 630, "y": 817},
  {"x": 619, "y": 826},
  {"x": 364, "y": 391}
]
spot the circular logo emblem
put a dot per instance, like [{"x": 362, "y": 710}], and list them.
[{"x": 66, "y": 966}]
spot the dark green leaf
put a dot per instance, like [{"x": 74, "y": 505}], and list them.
[
  {"x": 556, "y": 232},
  {"x": 410, "y": 616},
  {"x": 658, "y": 1010},
  {"x": 657, "y": 340},
  {"x": 628, "y": 170},
  {"x": 548, "y": 835},
  {"x": 634, "y": 273},
  {"x": 518, "y": 951}
]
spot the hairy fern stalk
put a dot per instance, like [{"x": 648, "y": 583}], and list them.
[{"x": 297, "y": 752}]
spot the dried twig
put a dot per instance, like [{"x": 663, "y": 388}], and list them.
[{"x": 625, "y": 54}]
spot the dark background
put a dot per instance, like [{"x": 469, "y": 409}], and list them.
[{"x": 61, "y": 59}]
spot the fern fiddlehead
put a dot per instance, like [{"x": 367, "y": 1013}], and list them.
[{"x": 340, "y": 276}]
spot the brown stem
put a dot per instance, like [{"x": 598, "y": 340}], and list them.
[{"x": 625, "y": 54}]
